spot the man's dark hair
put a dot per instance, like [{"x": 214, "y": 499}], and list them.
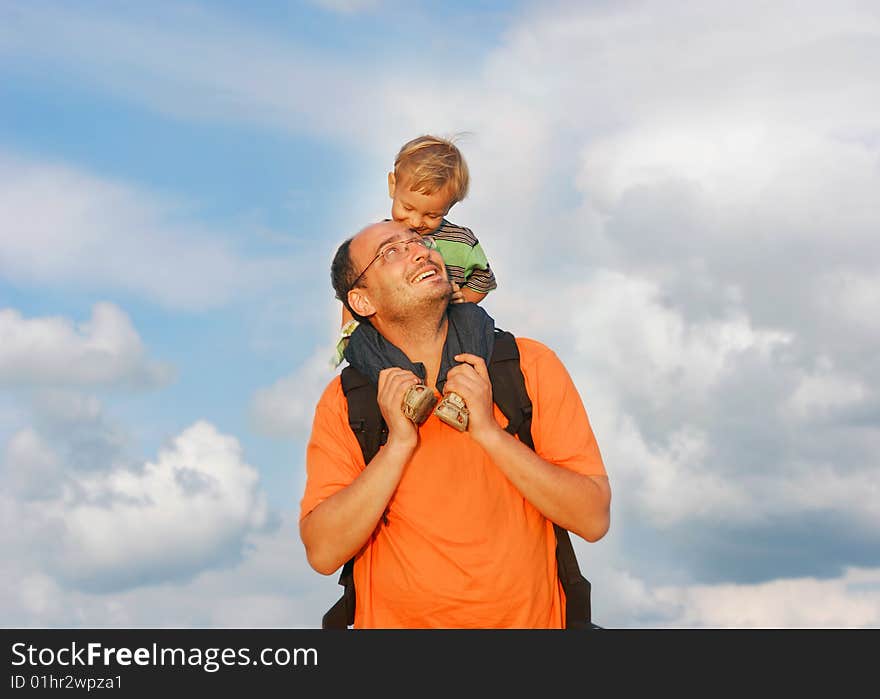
[{"x": 342, "y": 276}]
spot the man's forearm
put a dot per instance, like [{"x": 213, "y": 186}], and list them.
[
  {"x": 572, "y": 500},
  {"x": 339, "y": 526}
]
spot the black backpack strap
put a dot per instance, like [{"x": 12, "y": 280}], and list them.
[
  {"x": 364, "y": 416},
  {"x": 509, "y": 393},
  {"x": 365, "y": 420},
  {"x": 578, "y": 614},
  {"x": 509, "y": 387},
  {"x": 341, "y": 614}
]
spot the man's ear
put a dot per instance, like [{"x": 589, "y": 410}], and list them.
[
  {"x": 360, "y": 303},
  {"x": 392, "y": 184}
]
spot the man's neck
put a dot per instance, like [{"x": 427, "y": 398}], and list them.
[{"x": 421, "y": 339}]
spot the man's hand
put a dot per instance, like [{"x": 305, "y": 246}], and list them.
[
  {"x": 393, "y": 384},
  {"x": 471, "y": 381},
  {"x": 457, "y": 294}
]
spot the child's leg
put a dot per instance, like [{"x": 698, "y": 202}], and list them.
[{"x": 348, "y": 326}]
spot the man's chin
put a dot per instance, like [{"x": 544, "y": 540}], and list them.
[
  {"x": 423, "y": 295},
  {"x": 436, "y": 290},
  {"x": 440, "y": 296}
]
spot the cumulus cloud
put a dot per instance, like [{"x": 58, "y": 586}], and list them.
[
  {"x": 61, "y": 435},
  {"x": 191, "y": 509},
  {"x": 53, "y": 351},
  {"x": 31, "y": 468},
  {"x": 824, "y": 391},
  {"x": 651, "y": 348},
  {"x": 665, "y": 394},
  {"x": 100, "y": 234},
  {"x": 850, "y": 601},
  {"x": 272, "y": 587}
]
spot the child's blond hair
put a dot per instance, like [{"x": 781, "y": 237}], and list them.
[{"x": 431, "y": 164}]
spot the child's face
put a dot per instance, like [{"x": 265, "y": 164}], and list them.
[{"x": 421, "y": 212}]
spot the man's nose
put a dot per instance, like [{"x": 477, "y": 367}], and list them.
[{"x": 418, "y": 252}]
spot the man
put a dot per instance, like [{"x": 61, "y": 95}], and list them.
[{"x": 449, "y": 529}]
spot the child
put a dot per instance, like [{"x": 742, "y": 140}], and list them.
[{"x": 430, "y": 176}]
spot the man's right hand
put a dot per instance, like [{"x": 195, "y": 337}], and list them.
[{"x": 393, "y": 385}]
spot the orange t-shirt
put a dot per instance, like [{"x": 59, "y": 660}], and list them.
[{"x": 461, "y": 547}]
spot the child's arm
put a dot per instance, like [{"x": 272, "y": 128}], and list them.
[
  {"x": 464, "y": 294},
  {"x": 470, "y": 296},
  {"x": 471, "y": 260}
]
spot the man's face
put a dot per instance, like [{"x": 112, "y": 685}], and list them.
[
  {"x": 412, "y": 279},
  {"x": 421, "y": 212}
]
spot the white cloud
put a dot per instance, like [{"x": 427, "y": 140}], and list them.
[
  {"x": 286, "y": 408},
  {"x": 67, "y": 408},
  {"x": 673, "y": 482},
  {"x": 100, "y": 234},
  {"x": 65, "y": 436},
  {"x": 853, "y": 297},
  {"x": 757, "y": 182},
  {"x": 190, "y": 510},
  {"x": 822, "y": 392},
  {"x": 105, "y": 350},
  {"x": 624, "y": 600},
  {"x": 30, "y": 467},
  {"x": 851, "y": 601},
  {"x": 833, "y": 489},
  {"x": 272, "y": 587},
  {"x": 39, "y": 597},
  {"x": 650, "y": 348},
  {"x": 682, "y": 480}
]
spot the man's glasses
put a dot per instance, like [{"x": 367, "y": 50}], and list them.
[{"x": 395, "y": 251}]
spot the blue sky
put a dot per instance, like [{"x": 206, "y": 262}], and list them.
[{"x": 680, "y": 200}]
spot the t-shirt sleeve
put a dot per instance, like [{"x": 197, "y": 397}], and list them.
[
  {"x": 333, "y": 456},
  {"x": 478, "y": 273},
  {"x": 561, "y": 427}
]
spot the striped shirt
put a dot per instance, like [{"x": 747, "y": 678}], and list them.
[{"x": 466, "y": 263}]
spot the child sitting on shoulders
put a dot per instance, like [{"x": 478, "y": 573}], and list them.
[{"x": 430, "y": 176}]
